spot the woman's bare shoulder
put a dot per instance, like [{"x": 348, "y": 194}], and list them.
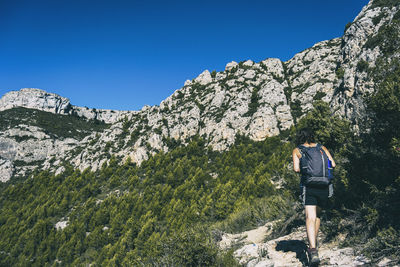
[
  {"x": 296, "y": 152},
  {"x": 324, "y": 148},
  {"x": 327, "y": 151}
]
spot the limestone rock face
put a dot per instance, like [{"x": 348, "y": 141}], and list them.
[
  {"x": 6, "y": 170},
  {"x": 248, "y": 98},
  {"x": 230, "y": 65},
  {"x": 37, "y": 99},
  {"x": 106, "y": 115},
  {"x": 204, "y": 78},
  {"x": 23, "y": 148},
  {"x": 312, "y": 72},
  {"x": 355, "y": 82}
]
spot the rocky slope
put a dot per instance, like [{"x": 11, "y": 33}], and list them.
[
  {"x": 30, "y": 137},
  {"x": 256, "y": 99},
  {"x": 252, "y": 250}
]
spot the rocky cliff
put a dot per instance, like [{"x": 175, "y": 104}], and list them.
[
  {"x": 256, "y": 99},
  {"x": 34, "y": 98}
]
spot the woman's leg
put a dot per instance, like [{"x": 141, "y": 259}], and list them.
[
  {"x": 317, "y": 224},
  {"x": 311, "y": 224}
]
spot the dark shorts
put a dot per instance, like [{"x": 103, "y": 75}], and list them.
[{"x": 315, "y": 196}]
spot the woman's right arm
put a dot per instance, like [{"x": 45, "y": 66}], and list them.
[{"x": 296, "y": 160}]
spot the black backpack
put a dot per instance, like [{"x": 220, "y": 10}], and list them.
[{"x": 314, "y": 166}]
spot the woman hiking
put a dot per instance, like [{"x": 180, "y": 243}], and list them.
[{"x": 312, "y": 161}]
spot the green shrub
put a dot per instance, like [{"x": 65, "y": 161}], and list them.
[
  {"x": 340, "y": 73},
  {"x": 386, "y": 242},
  {"x": 256, "y": 213},
  {"x": 296, "y": 110},
  {"x": 384, "y": 3},
  {"x": 332, "y": 131},
  {"x": 24, "y": 138},
  {"x": 319, "y": 95},
  {"x": 347, "y": 26},
  {"x": 362, "y": 65},
  {"x": 253, "y": 104},
  {"x": 387, "y": 38},
  {"x": 378, "y": 18}
]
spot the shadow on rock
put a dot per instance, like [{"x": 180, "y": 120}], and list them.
[{"x": 294, "y": 246}]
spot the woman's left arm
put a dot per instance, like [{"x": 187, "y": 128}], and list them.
[{"x": 329, "y": 156}]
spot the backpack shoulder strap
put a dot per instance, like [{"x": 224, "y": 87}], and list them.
[
  {"x": 319, "y": 146},
  {"x": 301, "y": 147}
]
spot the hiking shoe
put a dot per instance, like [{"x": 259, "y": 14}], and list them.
[{"x": 313, "y": 255}]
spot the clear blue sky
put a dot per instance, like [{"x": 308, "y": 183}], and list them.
[{"x": 122, "y": 55}]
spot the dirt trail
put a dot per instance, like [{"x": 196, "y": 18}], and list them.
[{"x": 288, "y": 250}]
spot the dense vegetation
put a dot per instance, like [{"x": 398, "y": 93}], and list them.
[
  {"x": 160, "y": 212},
  {"x": 372, "y": 171},
  {"x": 373, "y": 166},
  {"x": 55, "y": 125}
]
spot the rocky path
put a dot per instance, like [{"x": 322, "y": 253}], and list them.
[{"x": 288, "y": 250}]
